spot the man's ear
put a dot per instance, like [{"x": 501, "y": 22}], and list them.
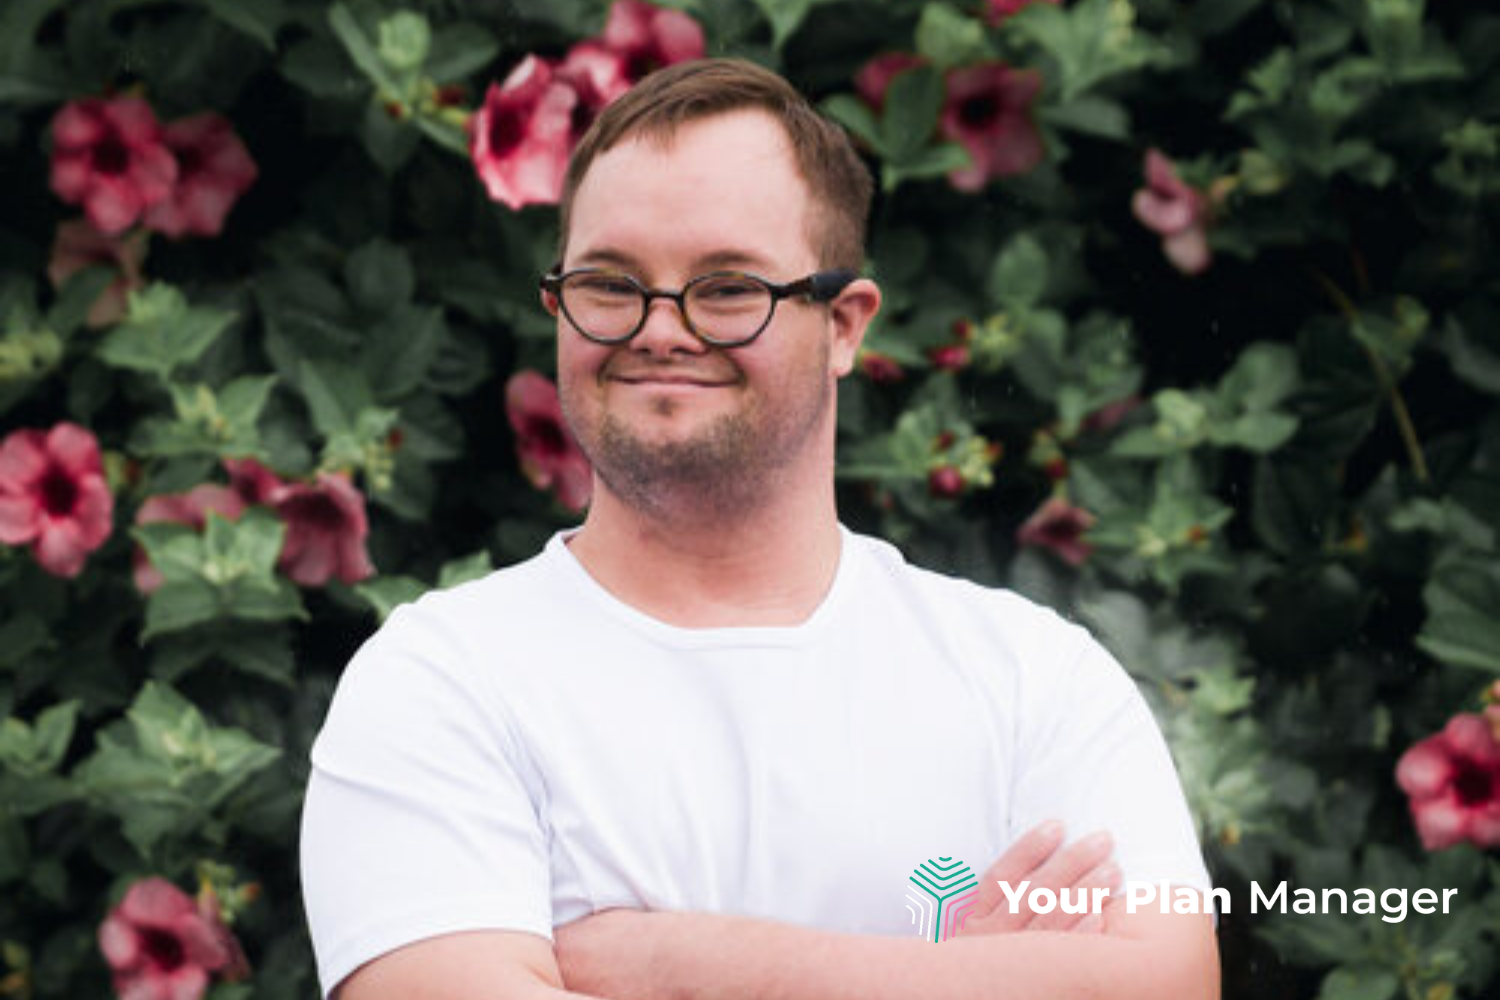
[
  {"x": 851, "y": 314},
  {"x": 549, "y": 301}
]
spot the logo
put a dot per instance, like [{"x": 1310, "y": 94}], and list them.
[{"x": 946, "y": 890}]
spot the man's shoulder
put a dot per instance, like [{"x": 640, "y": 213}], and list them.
[
  {"x": 507, "y": 592},
  {"x": 949, "y": 596}
]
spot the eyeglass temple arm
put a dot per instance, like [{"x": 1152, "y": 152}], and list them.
[{"x": 825, "y": 285}]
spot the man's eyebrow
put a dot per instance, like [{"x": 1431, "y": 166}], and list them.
[
  {"x": 606, "y": 257},
  {"x": 716, "y": 260}
]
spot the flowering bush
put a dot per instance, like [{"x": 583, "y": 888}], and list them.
[{"x": 1190, "y": 330}]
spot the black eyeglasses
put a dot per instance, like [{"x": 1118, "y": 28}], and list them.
[{"x": 724, "y": 309}]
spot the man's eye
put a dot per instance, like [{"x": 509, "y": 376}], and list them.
[
  {"x": 727, "y": 290},
  {"x": 604, "y": 286}
]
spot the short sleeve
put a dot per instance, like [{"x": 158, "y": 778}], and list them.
[
  {"x": 421, "y": 815},
  {"x": 1093, "y": 756}
]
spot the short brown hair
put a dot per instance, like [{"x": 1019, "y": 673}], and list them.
[{"x": 836, "y": 178}]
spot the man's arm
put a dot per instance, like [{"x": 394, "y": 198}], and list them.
[
  {"x": 626, "y": 954},
  {"x": 476, "y": 965},
  {"x": 667, "y": 956}
]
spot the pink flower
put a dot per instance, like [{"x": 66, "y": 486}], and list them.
[
  {"x": 598, "y": 75},
  {"x": 550, "y": 456},
  {"x": 108, "y": 156},
  {"x": 1177, "y": 212},
  {"x": 651, "y": 37},
  {"x": 988, "y": 112},
  {"x": 1452, "y": 780},
  {"x": 326, "y": 524},
  {"x": 874, "y": 77},
  {"x": 882, "y": 369},
  {"x": 161, "y": 946},
  {"x": 326, "y": 529},
  {"x": 53, "y": 495},
  {"x": 945, "y": 482},
  {"x": 1110, "y": 415},
  {"x": 1059, "y": 526},
  {"x": 190, "y": 508},
  {"x": 521, "y": 138},
  {"x": 253, "y": 482},
  {"x": 78, "y": 245},
  {"x": 1002, "y": 10},
  {"x": 213, "y": 170},
  {"x": 949, "y": 357}
]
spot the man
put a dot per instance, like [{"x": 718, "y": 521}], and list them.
[{"x": 699, "y": 745}]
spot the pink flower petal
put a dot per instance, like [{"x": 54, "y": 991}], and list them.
[
  {"x": 874, "y": 77},
  {"x": 1425, "y": 769},
  {"x": 1440, "y": 823},
  {"x": 1188, "y": 250},
  {"x": 1162, "y": 215},
  {"x": 23, "y": 460}
]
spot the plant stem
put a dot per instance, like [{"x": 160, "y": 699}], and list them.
[{"x": 1388, "y": 384}]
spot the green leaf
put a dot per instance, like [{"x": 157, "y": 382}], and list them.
[
  {"x": 1359, "y": 983},
  {"x": 321, "y": 68},
  {"x": 1257, "y": 431},
  {"x": 459, "y": 50},
  {"x": 361, "y": 49},
  {"x": 335, "y": 396},
  {"x": 1463, "y": 615},
  {"x": 949, "y": 37},
  {"x": 786, "y": 16},
  {"x": 162, "y": 332},
  {"x": 1291, "y": 505},
  {"x": 1092, "y": 41},
  {"x": 1018, "y": 277},
  {"x": 1395, "y": 336},
  {"x": 75, "y": 299},
  {"x": 446, "y": 134},
  {"x": 856, "y": 116},
  {"x": 257, "y": 19},
  {"x": 241, "y": 403},
  {"x": 1262, "y": 378},
  {"x": 389, "y": 142},
  {"x": 472, "y": 567},
  {"x": 1090, "y": 115},
  {"x": 379, "y": 276},
  {"x": 1214, "y": 17},
  {"x": 1473, "y": 352},
  {"x": 912, "y": 105},
  {"x": 167, "y": 770},
  {"x": 934, "y": 161},
  {"x": 37, "y": 749},
  {"x": 178, "y": 605},
  {"x": 401, "y": 348},
  {"x": 386, "y": 593},
  {"x": 405, "y": 40}
]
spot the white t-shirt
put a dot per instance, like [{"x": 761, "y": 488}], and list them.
[{"x": 521, "y": 751}]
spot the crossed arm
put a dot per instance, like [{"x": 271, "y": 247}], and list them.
[{"x": 632, "y": 955}]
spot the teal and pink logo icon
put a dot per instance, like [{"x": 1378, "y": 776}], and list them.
[{"x": 946, "y": 890}]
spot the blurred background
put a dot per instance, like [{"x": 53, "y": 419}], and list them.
[{"x": 1192, "y": 331}]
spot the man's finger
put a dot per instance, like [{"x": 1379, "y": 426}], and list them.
[
  {"x": 1016, "y": 865},
  {"x": 1081, "y": 892},
  {"x": 1065, "y": 867}
]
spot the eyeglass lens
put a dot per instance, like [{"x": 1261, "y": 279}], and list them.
[{"x": 725, "y": 308}]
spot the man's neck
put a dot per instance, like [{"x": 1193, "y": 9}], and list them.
[{"x": 770, "y": 566}]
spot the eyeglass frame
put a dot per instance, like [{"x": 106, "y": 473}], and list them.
[{"x": 820, "y": 286}]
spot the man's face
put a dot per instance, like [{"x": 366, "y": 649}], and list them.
[{"x": 665, "y": 411}]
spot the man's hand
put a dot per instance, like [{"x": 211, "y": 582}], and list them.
[
  {"x": 1040, "y": 857},
  {"x": 612, "y": 953}
]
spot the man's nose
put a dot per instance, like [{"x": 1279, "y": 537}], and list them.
[{"x": 666, "y": 332}]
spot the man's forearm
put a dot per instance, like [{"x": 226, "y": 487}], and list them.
[{"x": 737, "y": 958}]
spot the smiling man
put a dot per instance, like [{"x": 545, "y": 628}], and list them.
[{"x": 701, "y": 744}]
